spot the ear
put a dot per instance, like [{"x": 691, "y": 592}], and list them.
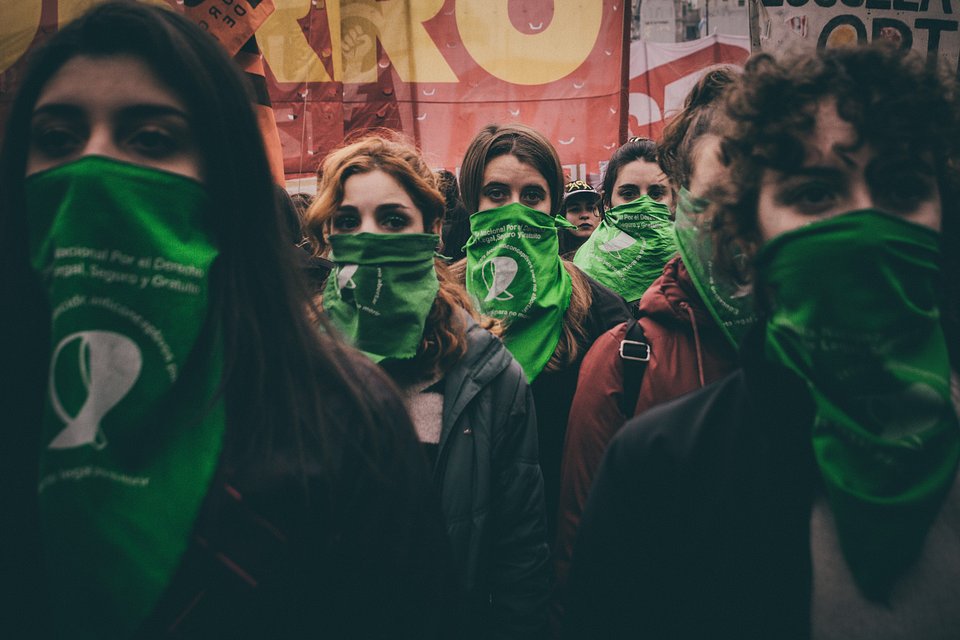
[{"x": 437, "y": 226}]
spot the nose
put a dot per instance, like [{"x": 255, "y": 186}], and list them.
[
  {"x": 101, "y": 143},
  {"x": 368, "y": 225},
  {"x": 860, "y": 197}
]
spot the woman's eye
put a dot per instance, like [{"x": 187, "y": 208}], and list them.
[
  {"x": 496, "y": 193},
  {"x": 532, "y": 197},
  {"x": 628, "y": 194},
  {"x": 153, "y": 142},
  {"x": 57, "y": 142},
  {"x": 656, "y": 192},
  {"x": 395, "y": 221},
  {"x": 345, "y": 222}
]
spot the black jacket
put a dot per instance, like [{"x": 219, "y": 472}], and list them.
[
  {"x": 698, "y": 522},
  {"x": 553, "y": 394},
  {"x": 491, "y": 490},
  {"x": 336, "y": 539}
]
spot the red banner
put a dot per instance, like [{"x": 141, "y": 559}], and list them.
[
  {"x": 438, "y": 70},
  {"x": 661, "y": 75}
]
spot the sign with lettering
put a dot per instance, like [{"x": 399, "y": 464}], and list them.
[{"x": 927, "y": 26}]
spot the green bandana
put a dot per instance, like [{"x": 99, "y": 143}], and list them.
[
  {"x": 382, "y": 290},
  {"x": 131, "y": 430},
  {"x": 730, "y": 304},
  {"x": 855, "y": 315},
  {"x": 628, "y": 250},
  {"x": 514, "y": 273}
]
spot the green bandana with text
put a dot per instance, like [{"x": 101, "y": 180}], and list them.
[
  {"x": 381, "y": 291},
  {"x": 628, "y": 250},
  {"x": 729, "y": 303},
  {"x": 854, "y": 312},
  {"x": 132, "y": 427},
  {"x": 514, "y": 273}
]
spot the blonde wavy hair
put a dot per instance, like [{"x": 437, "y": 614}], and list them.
[{"x": 444, "y": 336}]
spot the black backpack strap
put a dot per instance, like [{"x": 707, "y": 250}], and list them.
[{"x": 635, "y": 354}]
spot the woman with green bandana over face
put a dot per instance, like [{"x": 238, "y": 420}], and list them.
[
  {"x": 378, "y": 208},
  {"x": 635, "y": 239},
  {"x": 185, "y": 454},
  {"x": 813, "y": 493},
  {"x": 512, "y": 185},
  {"x": 687, "y": 348}
]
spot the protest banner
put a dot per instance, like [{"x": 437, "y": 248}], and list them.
[
  {"x": 661, "y": 74},
  {"x": 927, "y": 26},
  {"x": 438, "y": 70}
]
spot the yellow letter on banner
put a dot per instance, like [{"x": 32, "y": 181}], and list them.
[
  {"x": 398, "y": 24},
  {"x": 285, "y": 47},
  {"x": 521, "y": 58},
  {"x": 17, "y": 30}
]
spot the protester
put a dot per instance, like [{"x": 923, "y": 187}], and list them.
[
  {"x": 184, "y": 454},
  {"x": 512, "y": 184},
  {"x": 627, "y": 252},
  {"x": 581, "y": 208},
  {"x": 674, "y": 347},
  {"x": 379, "y": 207},
  {"x": 813, "y": 493}
]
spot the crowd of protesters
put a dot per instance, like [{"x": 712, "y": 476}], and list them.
[{"x": 715, "y": 396}]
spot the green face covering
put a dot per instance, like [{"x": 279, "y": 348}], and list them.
[
  {"x": 628, "y": 250},
  {"x": 854, "y": 313},
  {"x": 131, "y": 430},
  {"x": 382, "y": 290},
  {"x": 514, "y": 273},
  {"x": 730, "y": 303}
]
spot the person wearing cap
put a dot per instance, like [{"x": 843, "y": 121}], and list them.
[{"x": 581, "y": 207}]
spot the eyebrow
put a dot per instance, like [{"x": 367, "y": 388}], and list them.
[{"x": 58, "y": 109}]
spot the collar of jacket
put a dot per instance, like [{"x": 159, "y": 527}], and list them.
[
  {"x": 486, "y": 357},
  {"x": 671, "y": 297}
]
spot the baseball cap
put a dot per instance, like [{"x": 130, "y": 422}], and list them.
[{"x": 577, "y": 187}]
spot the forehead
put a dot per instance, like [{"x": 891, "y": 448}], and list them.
[
  {"x": 375, "y": 185},
  {"x": 107, "y": 81},
  {"x": 641, "y": 173},
  {"x": 831, "y": 136},
  {"x": 508, "y": 169}
]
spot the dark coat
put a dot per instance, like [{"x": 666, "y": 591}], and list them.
[
  {"x": 687, "y": 351},
  {"x": 491, "y": 489},
  {"x": 340, "y": 539},
  {"x": 698, "y": 523},
  {"x": 553, "y": 394}
]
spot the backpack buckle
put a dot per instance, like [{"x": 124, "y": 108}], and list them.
[{"x": 635, "y": 350}]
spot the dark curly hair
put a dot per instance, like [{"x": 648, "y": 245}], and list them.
[{"x": 896, "y": 102}]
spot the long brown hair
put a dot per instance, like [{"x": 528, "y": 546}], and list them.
[{"x": 445, "y": 333}]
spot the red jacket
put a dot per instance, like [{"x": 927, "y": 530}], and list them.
[{"x": 687, "y": 351}]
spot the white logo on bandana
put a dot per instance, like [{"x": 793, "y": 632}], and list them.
[
  {"x": 498, "y": 277},
  {"x": 108, "y": 364}
]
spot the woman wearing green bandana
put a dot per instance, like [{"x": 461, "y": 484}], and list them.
[
  {"x": 378, "y": 208},
  {"x": 184, "y": 453},
  {"x": 512, "y": 185},
  {"x": 813, "y": 493},
  {"x": 635, "y": 239}
]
